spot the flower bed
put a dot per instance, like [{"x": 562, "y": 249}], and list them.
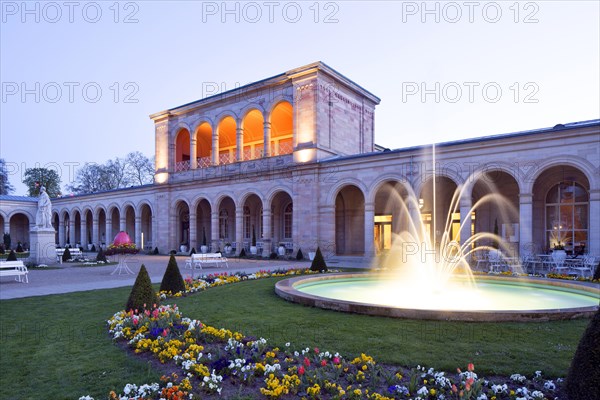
[{"x": 219, "y": 362}]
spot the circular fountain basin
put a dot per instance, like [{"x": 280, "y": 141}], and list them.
[{"x": 492, "y": 299}]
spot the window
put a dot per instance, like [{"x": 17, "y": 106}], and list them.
[
  {"x": 247, "y": 223},
  {"x": 223, "y": 224},
  {"x": 567, "y": 206},
  {"x": 287, "y": 221}
]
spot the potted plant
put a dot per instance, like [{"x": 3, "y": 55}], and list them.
[
  {"x": 559, "y": 248},
  {"x": 253, "y": 249},
  {"x": 227, "y": 249},
  {"x": 183, "y": 248},
  {"x": 281, "y": 249},
  {"x": 204, "y": 247}
]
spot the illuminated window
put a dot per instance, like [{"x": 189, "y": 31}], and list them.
[
  {"x": 567, "y": 214},
  {"x": 287, "y": 221},
  {"x": 223, "y": 224}
]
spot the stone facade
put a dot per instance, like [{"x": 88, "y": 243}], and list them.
[{"x": 291, "y": 160}]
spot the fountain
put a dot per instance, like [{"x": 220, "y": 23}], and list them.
[{"x": 427, "y": 276}]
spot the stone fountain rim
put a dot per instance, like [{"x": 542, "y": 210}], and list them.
[{"x": 287, "y": 289}]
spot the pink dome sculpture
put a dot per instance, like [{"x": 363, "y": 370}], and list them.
[{"x": 121, "y": 239}]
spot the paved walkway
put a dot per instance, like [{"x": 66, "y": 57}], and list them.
[{"x": 67, "y": 278}]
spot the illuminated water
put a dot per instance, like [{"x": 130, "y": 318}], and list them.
[{"x": 487, "y": 295}]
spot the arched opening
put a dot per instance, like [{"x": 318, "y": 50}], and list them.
[
  {"x": 182, "y": 150},
  {"x": 183, "y": 224},
  {"x": 19, "y": 230},
  {"x": 102, "y": 227},
  {"x": 77, "y": 237},
  {"x": 130, "y": 222},
  {"x": 391, "y": 214},
  {"x": 495, "y": 197},
  {"x": 66, "y": 221},
  {"x": 445, "y": 188},
  {"x": 561, "y": 208},
  {"x": 203, "y": 227},
  {"x": 146, "y": 231},
  {"x": 282, "y": 220},
  {"x": 89, "y": 223},
  {"x": 227, "y": 140},
  {"x": 252, "y": 224},
  {"x": 227, "y": 222},
  {"x": 55, "y": 225},
  {"x": 115, "y": 219},
  {"x": 253, "y": 128},
  {"x": 282, "y": 129},
  {"x": 350, "y": 221},
  {"x": 204, "y": 145}
]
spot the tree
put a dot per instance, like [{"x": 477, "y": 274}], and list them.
[
  {"x": 142, "y": 295},
  {"x": 35, "y": 178},
  {"x": 90, "y": 178},
  {"x": 172, "y": 280},
  {"x": 318, "y": 263},
  {"x": 583, "y": 379},
  {"x": 5, "y": 186},
  {"x": 139, "y": 168}
]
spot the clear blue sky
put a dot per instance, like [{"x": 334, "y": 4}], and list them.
[{"x": 171, "y": 50}]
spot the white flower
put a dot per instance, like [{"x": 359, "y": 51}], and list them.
[
  {"x": 423, "y": 391},
  {"x": 88, "y": 397},
  {"x": 482, "y": 397},
  {"x": 287, "y": 344},
  {"x": 549, "y": 385}
]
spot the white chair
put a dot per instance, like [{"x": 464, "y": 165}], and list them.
[
  {"x": 557, "y": 262},
  {"x": 588, "y": 265},
  {"x": 496, "y": 261}
]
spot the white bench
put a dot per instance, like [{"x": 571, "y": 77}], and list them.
[
  {"x": 75, "y": 252},
  {"x": 14, "y": 268},
  {"x": 196, "y": 260}
]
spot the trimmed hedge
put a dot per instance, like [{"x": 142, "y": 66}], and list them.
[
  {"x": 583, "y": 379},
  {"x": 299, "y": 255},
  {"x": 172, "y": 280},
  {"x": 318, "y": 263},
  {"x": 66, "y": 255},
  {"x": 12, "y": 256},
  {"x": 101, "y": 256},
  {"x": 142, "y": 296}
]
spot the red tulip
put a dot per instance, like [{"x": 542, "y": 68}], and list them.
[{"x": 301, "y": 370}]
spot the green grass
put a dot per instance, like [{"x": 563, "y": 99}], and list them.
[{"x": 56, "y": 347}]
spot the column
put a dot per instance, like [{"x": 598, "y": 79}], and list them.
[
  {"x": 526, "y": 245},
  {"x": 267, "y": 239},
  {"x": 109, "y": 237},
  {"x": 215, "y": 148},
  {"x": 465, "y": 219},
  {"x": 72, "y": 239},
  {"x": 239, "y": 153},
  {"x": 267, "y": 139},
  {"x": 138, "y": 232},
  {"x": 122, "y": 224},
  {"x": 83, "y": 232},
  {"x": 6, "y": 225},
  {"x": 61, "y": 233},
  {"x": 193, "y": 232},
  {"x": 594, "y": 228},
  {"x": 239, "y": 227},
  {"x": 369, "y": 229},
  {"x": 214, "y": 230},
  {"x": 193, "y": 153},
  {"x": 172, "y": 156},
  {"x": 95, "y": 231}
]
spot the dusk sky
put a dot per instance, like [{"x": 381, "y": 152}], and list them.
[{"x": 79, "y": 79}]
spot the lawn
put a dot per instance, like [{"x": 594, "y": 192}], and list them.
[{"x": 57, "y": 346}]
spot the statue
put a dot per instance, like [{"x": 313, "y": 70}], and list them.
[{"x": 43, "y": 218}]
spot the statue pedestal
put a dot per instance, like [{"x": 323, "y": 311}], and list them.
[{"x": 42, "y": 249}]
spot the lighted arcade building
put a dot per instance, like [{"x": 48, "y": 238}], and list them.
[{"x": 292, "y": 159}]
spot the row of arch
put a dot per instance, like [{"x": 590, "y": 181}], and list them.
[{"x": 257, "y": 133}]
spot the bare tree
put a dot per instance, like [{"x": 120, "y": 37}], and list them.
[{"x": 139, "y": 169}]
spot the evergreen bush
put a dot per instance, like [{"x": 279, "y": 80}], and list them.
[
  {"x": 155, "y": 252},
  {"x": 2, "y": 251},
  {"x": 12, "y": 256},
  {"x": 142, "y": 295},
  {"x": 101, "y": 257},
  {"x": 66, "y": 255},
  {"x": 93, "y": 248},
  {"x": 172, "y": 280},
  {"x": 597, "y": 273},
  {"x": 7, "y": 241},
  {"x": 193, "y": 251},
  {"x": 273, "y": 256},
  {"x": 318, "y": 263},
  {"x": 19, "y": 247},
  {"x": 583, "y": 379},
  {"x": 299, "y": 255},
  {"x": 173, "y": 252},
  {"x": 242, "y": 253}
]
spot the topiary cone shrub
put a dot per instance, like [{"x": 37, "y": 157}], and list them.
[
  {"x": 155, "y": 252},
  {"x": 66, "y": 255},
  {"x": 101, "y": 257},
  {"x": 299, "y": 255},
  {"x": 172, "y": 280},
  {"x": 142, "y": 294},
  {"x": 93, "y": 248},
  {"x": 597, "y": 273},
  {"x": 12, "y": 256},
  {"x": 583, "y": 379},
  {"x": 193, "y": 251},
  {"x": 19, "y": 248},
  {"x": 318, "y": 263},
  {"x": 242, "y": 253}
]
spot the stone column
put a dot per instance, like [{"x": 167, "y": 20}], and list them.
[
  {"x": 138, "y": 232},
  {"x": 594, "y": 228},
  {"x": 465, "y": 219},
  {"x": 369, "y": 229},
  {"x": 72, "y": 239},
  {"x": 83, "y": 232},
  {"x": 239, "y": 153},
  {"x": 193, "y": 154},
  {"x": 239, "y": 228},
  {"x": 215, "y": 148},
  {"x": 526, "y": 223},
  {"x": 61, "y": 233},
  {"x": 6, "y": 225},
  {"x": 108, "y": 228},
  {"x": 95, "y": 231},
  {"x": 267, "y": 239},
  {"x": 172, "y": 157},
  {"x": 214, "y": 230},
  {"x": 122, "y": 224},
  {"x": 267, "y": 139},
  {"x": 193, "y": 232}
]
